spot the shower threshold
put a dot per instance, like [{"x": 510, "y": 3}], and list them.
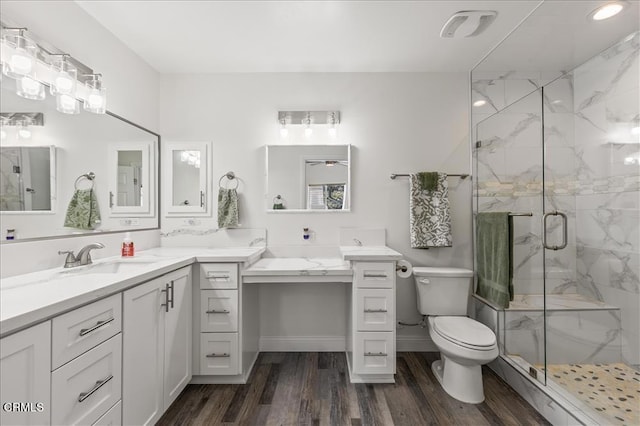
[{"x": 556, "y": 302}]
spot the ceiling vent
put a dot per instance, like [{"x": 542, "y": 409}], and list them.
[{"x": 468, "y": 23}]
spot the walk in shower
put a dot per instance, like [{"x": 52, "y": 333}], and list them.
[{"x": 556, "y": 121}]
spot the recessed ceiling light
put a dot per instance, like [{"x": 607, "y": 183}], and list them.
[
  {"x": 607, "y": 10},
  {"x": 479, "y": 103}
]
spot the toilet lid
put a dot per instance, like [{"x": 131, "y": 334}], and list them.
[{"x": 465, "y": 332}]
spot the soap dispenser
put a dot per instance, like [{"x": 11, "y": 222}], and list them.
[{"x": 127, "y": 246}]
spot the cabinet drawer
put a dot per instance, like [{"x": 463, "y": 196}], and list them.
[
  {"x": 375, "y": 309},
  {"x": 218, "y": 310},
  {"x": 374, "y": 353},
  {"x": 218, "y": 275},
  {"x": 374, "y": 274},
  {"x": 113, "y": 417},
  {"x": 219, "y": 353},
  {"x": 77, "y": 331},
  {"x": 85, "y": 388}
]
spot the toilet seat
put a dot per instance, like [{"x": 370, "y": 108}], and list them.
[{"x": 465, "y": 332}]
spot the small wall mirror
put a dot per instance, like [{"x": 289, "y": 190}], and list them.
[
  {"x": 308, "y": 178},
  {"x": 27, "y": 181},
  {"x": 188, "y": 178},
  {"x": 131, "y": 187}
]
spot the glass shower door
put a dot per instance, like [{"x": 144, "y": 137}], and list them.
[{"x": 510, "y": 178}]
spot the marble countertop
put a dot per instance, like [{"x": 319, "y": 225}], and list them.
[
  {"x": 296, "y": 266},
  {"x": 35, "y": 297},
  {"x": 371, "y": 253}
]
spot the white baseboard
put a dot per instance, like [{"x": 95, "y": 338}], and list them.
[
  {"x": 415, "y": 344},
  {"x": 302, "y": 344}
]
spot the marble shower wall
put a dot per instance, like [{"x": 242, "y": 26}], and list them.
[{"x": 607, "y": 193}]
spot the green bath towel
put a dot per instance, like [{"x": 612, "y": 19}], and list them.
[
  {"x": 495, "y": 257},
  {"x": 83, "y": 211},
  {"x": 227, "y": 208},
  {"x": 428, "y": 180}
]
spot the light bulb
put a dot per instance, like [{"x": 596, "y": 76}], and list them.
[
  {"x": 607, "y": 11},
  {"x": 30, "y": 89},
  {"x": 64, "y": 82},
  {"x": 3, "y": 134},
  {"x": 23, "y": 132},
  {"x": 197, "y": 163},
  {"x": 308, "y": 131},
  {"x": 21, "y": 62},
  {"x": 635, "y": 130},
  {"x": 67, "y": 104},
  {"x": 284, "y": 132},
  {"x": 479, "y": 103},
  {"x": 96, "y": 100},
  {"x": 184, "y": 156},
  {"x": 333, "y": 132},
  {"x": 192, "y": 160}
]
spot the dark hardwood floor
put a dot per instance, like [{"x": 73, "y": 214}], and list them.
[{"x": 313, "y": 388}]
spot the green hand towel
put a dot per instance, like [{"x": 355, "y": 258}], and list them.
[
  {"x": 494, "y": 256},
  {"x": 83, "y": 211},
  {"x": 227, "y": 208},
  {"x": 428, "y": 180}
]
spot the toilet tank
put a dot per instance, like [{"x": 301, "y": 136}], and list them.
[{"x": 442, "y": 290}]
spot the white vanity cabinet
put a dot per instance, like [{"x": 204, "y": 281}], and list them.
[
  {"x": 157, "y": 346},
  {"x": 372, "y": 352},
  {"x": 25, "y": 367}
]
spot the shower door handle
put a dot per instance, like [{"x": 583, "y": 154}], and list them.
[{"x": 564, "y": 230}]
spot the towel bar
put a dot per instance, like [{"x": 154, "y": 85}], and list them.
[{"x": 395, "y": 175}]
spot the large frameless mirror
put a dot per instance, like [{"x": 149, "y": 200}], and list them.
[
  {"x": 308, "y": 178},
  {"x": 54, "y": 164}
]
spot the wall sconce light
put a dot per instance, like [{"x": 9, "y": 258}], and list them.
[
  {"x": 23, "y": 54},
  {"x": 308, "y": 119}
]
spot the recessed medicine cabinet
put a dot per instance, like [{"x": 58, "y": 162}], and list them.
[
  {"x": 308, "y": 178},
  {"x": 131, "y": 187},
  {"x": 187, "y": 171}
]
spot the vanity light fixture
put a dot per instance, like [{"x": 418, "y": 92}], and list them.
[
  {"x": 22, "y": 58},
  {"x": 607, "y": 10},
  {"x": 96, "y": 100},
  {"x": 306, "y": 121},
  {"x": 34, "y": 63},
  {"x": 29, "y": 88}
]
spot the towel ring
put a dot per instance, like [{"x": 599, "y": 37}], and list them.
[
  {"x": 230, "y": 176},
  {"x": 89, "y": 176}
]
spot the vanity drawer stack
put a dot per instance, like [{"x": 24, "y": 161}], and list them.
[
  {"x": 374, "y": 318},
  {"x": 86, "y": 359},
  {"x": 219, "y": 317}
]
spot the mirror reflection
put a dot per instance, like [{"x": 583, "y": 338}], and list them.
[
  {"x": 42, "y": 164},
  {"x": 129, "y": 178},
  {"x": 186, "y": 189},
  {"x": 25, "y": 180},
  {"x": 308, "y": 177}
]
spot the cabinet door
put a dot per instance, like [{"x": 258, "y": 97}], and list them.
[
  {"x": 177, "y": 348},
  {"x": 143, "y": 353},
  {"x": 25, "y": 368}
]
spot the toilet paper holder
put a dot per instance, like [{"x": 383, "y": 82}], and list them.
[{"x": 401, "y": 268}]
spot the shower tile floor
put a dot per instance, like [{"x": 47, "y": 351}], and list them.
[{"x": 613, "y": 390}]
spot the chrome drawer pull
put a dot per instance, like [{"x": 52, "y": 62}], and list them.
[
  {"x": 374, "y": 310},
  {"x": 99, "y": 384},
  {"x": 218, "y": 277},
  {"x": 374, "y": 354},
  {"x": 375, "y": 275},
  {"x": 213, "y": 311},
  {"x": 99, "y": 324},
  {"x": 166, "y": 298},
  {"x": 214, "y": 355}
]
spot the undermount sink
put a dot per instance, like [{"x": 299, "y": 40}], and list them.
[{"x": 110, "y": 266}]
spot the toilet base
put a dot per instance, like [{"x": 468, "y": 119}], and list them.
[{"x": 463, "y": 382}]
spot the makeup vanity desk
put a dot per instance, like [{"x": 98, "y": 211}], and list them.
[{"x": 226, "y": 327}]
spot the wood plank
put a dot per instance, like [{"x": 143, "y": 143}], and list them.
[{"x": 314, "y": 389}]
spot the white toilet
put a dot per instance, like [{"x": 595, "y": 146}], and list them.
[{"x": 464, "y": 344}]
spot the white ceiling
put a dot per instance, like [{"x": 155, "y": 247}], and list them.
[{"x": 301, "y": 36}]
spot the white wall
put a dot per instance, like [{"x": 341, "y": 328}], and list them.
[
  {"x": 68, "y": 27},
  {"x": 397, "y": 123}
]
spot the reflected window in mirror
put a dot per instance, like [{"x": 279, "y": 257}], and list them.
[{"x": 309, "y": 178}]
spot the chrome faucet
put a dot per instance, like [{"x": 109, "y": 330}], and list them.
[{"x": 83, "y": 257}]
